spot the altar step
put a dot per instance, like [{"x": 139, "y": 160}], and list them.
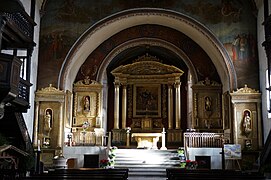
[{"x": 146, "y": 164}]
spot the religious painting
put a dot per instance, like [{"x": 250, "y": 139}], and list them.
[
  {"x": 86, "y": 104},
  {"x": 147, "y": 101},
  {"x": 85, "y": 108},
  {"x": 232, "y": 151}
]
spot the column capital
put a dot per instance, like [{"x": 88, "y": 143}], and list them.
[
  {"x": 170, "y": 85},
  {"x": 117, "y": 84},
  {"x": 123, "y": 84},
  {"x": 177, "y": 82}
]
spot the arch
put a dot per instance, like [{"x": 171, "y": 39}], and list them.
[
  {"x": 101, "y": 75},
  {"x": 111, "y": 25}
]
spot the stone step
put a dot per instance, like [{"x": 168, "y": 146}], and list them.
[{"x": 147, "y": 164}]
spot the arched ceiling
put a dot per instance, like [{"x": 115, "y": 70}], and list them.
[{"x": 98, "y": 36}]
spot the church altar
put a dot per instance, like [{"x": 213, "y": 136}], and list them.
[{"x": 147, "y": 140}]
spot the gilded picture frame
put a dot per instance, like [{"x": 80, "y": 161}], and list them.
[{"x": 147, "y": 100}]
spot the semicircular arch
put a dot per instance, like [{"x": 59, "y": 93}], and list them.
[{"x": 111, "y": 25}]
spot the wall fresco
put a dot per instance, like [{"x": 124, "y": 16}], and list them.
[{"x": 233, "y": 22}]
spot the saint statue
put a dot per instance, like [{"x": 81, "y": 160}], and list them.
[
  {"x": 208, "y": 103},
  {"x": 86, "y": 103},
  {"x": 47, "y": 122},
  {"x": 247, "y": 123}
]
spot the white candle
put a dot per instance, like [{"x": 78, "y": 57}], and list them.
[
  {"x": 163, "y": 129},
  {"x": 38, "y": 145}
]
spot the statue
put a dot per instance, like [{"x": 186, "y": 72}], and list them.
[
  {"x": 208, "y": 103},
  {"x": 47, "y": 122},
  {"x": 247, "y": 123},
  {"x": 86, "y": 103}
]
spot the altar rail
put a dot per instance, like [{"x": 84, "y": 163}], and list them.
[
  {"x": 86, "y": 138},
  {"x": 197, "y": 139}
]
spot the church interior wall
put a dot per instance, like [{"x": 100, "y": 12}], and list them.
[
  {"x": 63, "y": 47},
  {"x": 60, "y": 48}
]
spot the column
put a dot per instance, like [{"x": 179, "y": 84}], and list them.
[
  {"x": 260, "y": 143},
  {"x": 170, "y": 107},
  {"x": 36, "y": 125},
  {"x": 235, "y": 124},
  {"x": 109, "y": 140},
  {"x": 178, "y": 103},
  {"x": 116, "y": 106},
  {"x": 124, "y": 105},
  {"x": 61, "y": 124}
]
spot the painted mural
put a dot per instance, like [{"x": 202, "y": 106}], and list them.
[{"x": 232, "y": 21}]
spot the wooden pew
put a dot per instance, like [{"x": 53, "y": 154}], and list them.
[
  {"x": 176, "y": 174},
  {"x": 84, "y": 173}
]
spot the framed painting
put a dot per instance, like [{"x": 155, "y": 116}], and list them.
[
  {"x": 232, "y": 151},
  {"x": 147, "y": 100}
]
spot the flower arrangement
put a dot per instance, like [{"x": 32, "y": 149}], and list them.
[
  {"x": 110, "y": 161},
  {"x": 104, "y": 163},
  {"x": 112, "y": 155},
  {"x": 182, "y": 157},
  {"x": 191, "y": 164},
  {"x": 114, "y": 148}
]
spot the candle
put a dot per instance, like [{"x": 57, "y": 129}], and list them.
[
  {"x": 163, "y": 129},
  {"x": 38, "y": 145}
]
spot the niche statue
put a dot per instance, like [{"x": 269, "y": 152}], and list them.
[
  {"x": 247, "y": 123},
  {"x": 47, "y": 122}
]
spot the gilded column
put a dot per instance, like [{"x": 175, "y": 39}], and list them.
[
  {"x": 124, "y": 106},
  {"x": 170, "y": 107},
  {"x": 61, "y": 124},
  {"x": 36, "y": 125},
  {"x": 178, "y": 103},
  {"x": 116, "y": 105}
]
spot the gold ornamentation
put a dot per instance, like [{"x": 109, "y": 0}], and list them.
[
  {"x": 49, "y": 89},
  {"x": 146, "y": 66},
  {"x": 147, "y": 57},
  {"x": 86, "y": 82},
  {"x": 208, "y": 82},
  {"x": 246, "y": 90}
]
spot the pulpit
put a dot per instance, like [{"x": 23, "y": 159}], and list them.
[{"x": 147, "y": 140}]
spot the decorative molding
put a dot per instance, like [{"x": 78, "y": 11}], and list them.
[
  {"x": 50, "y": 89},
  {"x": 146, "y": 67},
  {"x": 208, "y": 82},
  {"x": 246, "y": 89}
]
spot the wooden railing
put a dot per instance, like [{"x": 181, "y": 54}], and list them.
[
  {"x": 22, "y": 21},
  {"x": 206, "y": 139}
]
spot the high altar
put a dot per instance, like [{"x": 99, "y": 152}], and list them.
[
  {"x": 147, "y": 140},
  {"x": 147, "y": 100}
]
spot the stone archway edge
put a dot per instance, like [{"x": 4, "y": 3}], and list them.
[{"x": 113, "y": 24}]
